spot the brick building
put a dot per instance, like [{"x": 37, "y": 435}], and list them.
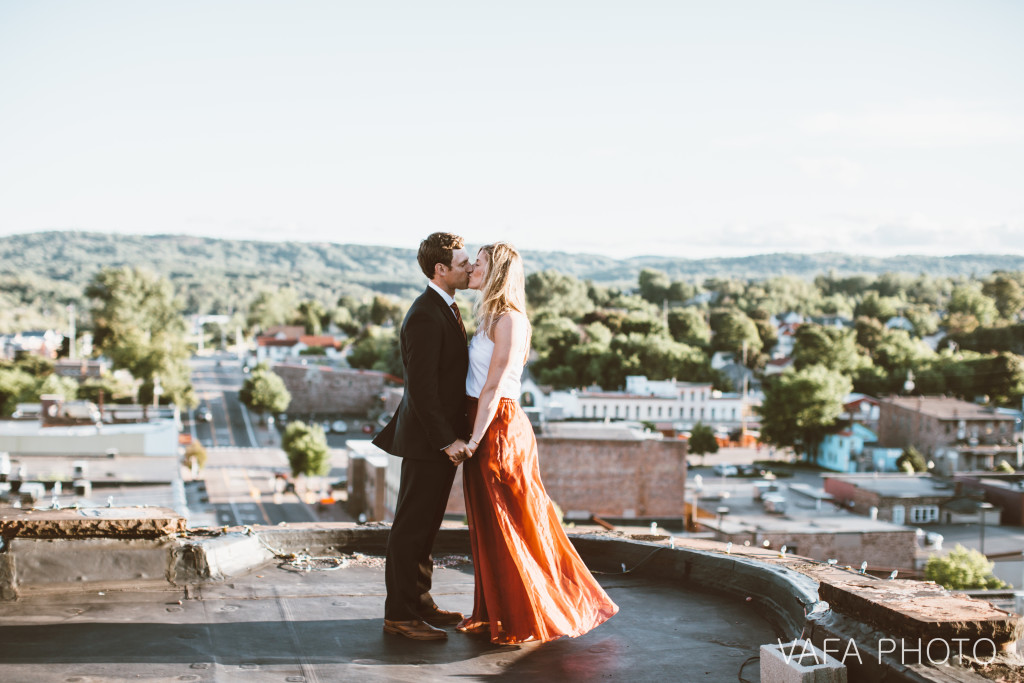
[
  {"x": 611, "y": 470},
  {"x": 333, "y": 391},
  {"x": 932, "y": 422},
  {"x": 912, "y": 499}
]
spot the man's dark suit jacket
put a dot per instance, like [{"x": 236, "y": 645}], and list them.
[{"x": 432, "y": 413}]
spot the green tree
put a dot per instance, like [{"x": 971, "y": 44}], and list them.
[
  {"x": 969, "y": 300},
  {"x": 558, "y": 294},
  {"x": 832, "y": 347},
  {"x": 689, "y": 326},
  {"x": 873, "y": 305},
  {"x": 702, "y": 440},
  {"x": 311, "y": 315},
  {"x": 962, "y": 569},
  {"x": 264, "y": 391},
  {"x": 384, "y": 309},
  {"x": 138, "y": 324},
  {"x": 912, "y": 459},
  {"x": 654, "y": 285},
  {"x": 272, "y": 307},
  {"x": 16, "y": 386},
  {"x": 732, "y": 329},
  {"x": 801, "y": 406},
  {"x": 195, "y": 453},
  {"x": 377, "y": 348},
  {"x": 55, "y": 384},
  {"x": 306, "y": 448},
  {"x": 1007, "y": 293}
]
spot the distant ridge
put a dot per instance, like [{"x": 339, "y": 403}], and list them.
[{"x": 73, "y": 257}]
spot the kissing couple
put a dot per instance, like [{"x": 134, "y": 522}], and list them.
[{"x": 462, "y": 406}]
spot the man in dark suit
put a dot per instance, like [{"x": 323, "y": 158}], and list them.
[{"x": 426, "y": 431}]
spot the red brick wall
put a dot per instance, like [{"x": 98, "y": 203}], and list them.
[
  {"x": 316, "y": 389},
  {"x": 608, "y": 477},
  {"x": 882, "y": 550},
  {"x": 845, "y": 491}
]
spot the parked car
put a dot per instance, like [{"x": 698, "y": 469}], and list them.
[
  {"x": 204, "y": 415},
  {"x": 339, "y": 426},
  {"x": 725, "y": 469}
]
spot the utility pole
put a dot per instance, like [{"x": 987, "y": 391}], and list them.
[{"x": 71, "y": 331}]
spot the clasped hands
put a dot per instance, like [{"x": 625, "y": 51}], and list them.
[{"x": 460, "y": 451}]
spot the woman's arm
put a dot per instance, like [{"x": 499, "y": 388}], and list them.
[{"x": 505, "y": 360}]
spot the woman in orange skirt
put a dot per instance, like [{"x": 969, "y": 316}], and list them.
[{"x": 530, "y": 582}]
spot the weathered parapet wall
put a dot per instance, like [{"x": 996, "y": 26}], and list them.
[
  {"x": 322, "y": 389},
  {"x": 881, "y": 630}
]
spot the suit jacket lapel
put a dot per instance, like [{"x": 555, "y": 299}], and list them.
[{"x": 445, "y": 310}]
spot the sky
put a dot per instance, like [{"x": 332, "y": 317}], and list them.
[{"x": 680, "y": 127}]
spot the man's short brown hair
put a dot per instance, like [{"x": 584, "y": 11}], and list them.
[{"x": 438, "y": 248}]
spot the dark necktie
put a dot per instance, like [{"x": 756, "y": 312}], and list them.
[{"x": 458, "y": 316}]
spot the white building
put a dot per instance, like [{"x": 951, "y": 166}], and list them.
[{"x": 668, "y": 403}]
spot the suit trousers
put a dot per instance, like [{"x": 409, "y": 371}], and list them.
[{"x": 422, "y": 499}]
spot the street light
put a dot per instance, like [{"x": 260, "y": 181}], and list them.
[{"x": 982, "y": 509}]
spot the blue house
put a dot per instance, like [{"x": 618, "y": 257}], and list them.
[{"x": 842, "y": 452}]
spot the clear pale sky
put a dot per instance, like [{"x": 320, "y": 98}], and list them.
[{"x": 685, "y": 128}]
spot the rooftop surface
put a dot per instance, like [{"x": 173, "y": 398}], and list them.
[
  {"x": 808, "y": 508},
  {"x": 279, "y": 624},
  {"x": 946, "y": 408},
  {"x": 898, "y": 485}
]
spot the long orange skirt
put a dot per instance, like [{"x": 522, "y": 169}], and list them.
[{"x": 530, "y": 582}]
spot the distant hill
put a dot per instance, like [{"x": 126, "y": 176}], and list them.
[{"x": 201, "y": 267}]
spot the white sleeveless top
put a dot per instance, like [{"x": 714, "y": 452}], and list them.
[{"x": 480, "y": 351}]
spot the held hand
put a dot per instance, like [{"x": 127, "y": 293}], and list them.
[
  {"x": 472, "y": 446},
  {"x": 457, "y": 452}
]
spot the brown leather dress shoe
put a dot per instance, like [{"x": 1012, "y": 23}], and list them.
[
  {"x": 415, "y": 630},
  {"x": 440, "y": 617}
]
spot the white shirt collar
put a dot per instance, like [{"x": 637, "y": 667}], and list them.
[{"x": 449, "y": 300}]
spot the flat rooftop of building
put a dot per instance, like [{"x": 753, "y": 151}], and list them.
[
  {"x": 282, "y": 624},
  {"x": 899, "y": 485},
  {"x": 947, "y": 408},
  {"x": 808, "y": 509},
  {"x": 613, "y": 431}
]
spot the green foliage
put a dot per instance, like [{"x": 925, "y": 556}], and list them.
[
  {"x": 732, "y": 328},
  {"x": 654, "y": 285},
  {"x": 911, "y": 460},
  {"x": 138, "y": 324},
  {"x": 881, "y": 308},
  {"x": 558, "y": 294},
  {"x": 702, "y": 440},
  {"x": 1007, "y": 292},
  {"x": 16, "y": 386},
  {"x": 801, "y": 406},
  {"x": 834, "y": 348},
  {"x": 306, "y": 448},
  {"x": 689, "y": 326},
  {"x": 969, "y": 300},
  {"x": 264, "y": 391},
  {"x": 195, "y": 452},
  {"x": 385, "y": 310},
  {"x": 64, "y": 386},
  {"x": 311, "y": 315},
  {"x": 377, "y": 348},
  {"x": 962, "y": 569},
  {"x": 272, "y": 307}
]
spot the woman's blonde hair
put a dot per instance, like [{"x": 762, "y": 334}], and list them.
[{"x": 504, "y": 289}]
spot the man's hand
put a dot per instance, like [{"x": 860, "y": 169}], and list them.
[{"x": 458, "y": 451}]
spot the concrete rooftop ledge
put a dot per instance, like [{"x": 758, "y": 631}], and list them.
[
  {"x": 918, "y": 610},
  {"x": 136, "y": 549},
  {"x": 73, "y": 523}
]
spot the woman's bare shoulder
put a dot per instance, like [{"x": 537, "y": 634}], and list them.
[{"x": 510, "y": 325}]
